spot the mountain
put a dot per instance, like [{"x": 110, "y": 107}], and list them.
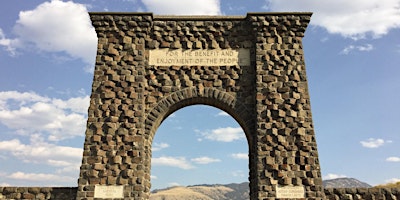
[
  {"x": 234, "y": 191},
  {"x": 345, "y": 183},
  {"x": 231, "y": 191}
]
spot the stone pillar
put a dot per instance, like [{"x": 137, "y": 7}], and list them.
[
  {"x": 114, "y": 144},
  {"x": 287, "y": 151}
]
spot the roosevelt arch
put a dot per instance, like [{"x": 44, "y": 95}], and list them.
[{"x": 261, "y": 83}]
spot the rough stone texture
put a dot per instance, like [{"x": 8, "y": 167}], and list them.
[
  {"x": 69, "y": 193},
  {"x": 39, "y": 193},
  {"x": 362, "y": 193},
  {"x": 269, "y": 99}
]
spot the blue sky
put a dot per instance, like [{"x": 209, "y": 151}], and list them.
[{"x": 47, "y": 51}]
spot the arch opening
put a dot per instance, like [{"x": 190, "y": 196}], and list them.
[{"x": 199, "y": 144}]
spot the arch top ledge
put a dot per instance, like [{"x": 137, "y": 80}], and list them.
[
  {"x": 195, "y": 96},
  {"x": 200, "y": 16},
  {"x": 296, "y": 21}
]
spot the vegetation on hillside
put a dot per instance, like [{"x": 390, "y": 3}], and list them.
[{"x": 389, "y": 185}]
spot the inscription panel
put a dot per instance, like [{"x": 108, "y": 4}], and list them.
[
  {"x": 292, "y": 192},
  {"x": 107, "y": 191},
  {"x": 199, "y": 57}
]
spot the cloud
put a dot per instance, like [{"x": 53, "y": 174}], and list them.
[
  {"x": 393, "y": 159},
  {"x": 393, "y": 180},
  {"x": 28, "y": 112},
  {"x": 39, "y": 177},
  {"x": 179, "y": 162},
  {"x": 333, "y": 176},
  {"x": 205, "y": 160},
  {"x": 183, "y": 7},
  {"x": 159, "y": 146},
  {"x": 21, "y": 97},
  {"x": 241, "y": 156},
  {"x": 348, "y": 49},
  {"x": 354, "y": 19},
  {"x": 227, "y": 134},
  {"x": 238, "y": 173},
  {"x": 67, "y": 159},
  {"x": 223, "y": 113},
  {"x": 8, "y": 44},
  {"x": 173, "y": 184},
  {"x": 4, "y": 185},
  {"x": 55, "y": 26},
  {"x": 373, "y": 143}
]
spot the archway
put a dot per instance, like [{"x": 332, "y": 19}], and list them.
[
  {"x": 201, "y": 96},
  {"x": 199, "y": 144}
]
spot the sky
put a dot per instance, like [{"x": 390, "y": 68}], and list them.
[{"x": 47, "y": 53}]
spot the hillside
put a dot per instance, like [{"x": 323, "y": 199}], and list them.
[
  {"x": 389, "y": 185},
  {"x": 345, "y": 183},
  {"x": 204, "y": 192},
  {"x": 234, "y": 191}
]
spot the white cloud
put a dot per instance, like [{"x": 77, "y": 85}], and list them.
[
  {"x": 173, "y": 184},
  {"x": 55, "y": 26},
  {"x": 77, "y": 104},
  {"x": 353, "y": 19},
  {"x": 393, "y": 159},
  {"x": 29, "y": 112},
  {"x": 159, "y": 146},
  {"x": 183, "y": 7},
  {"x": 38, "y": 151},
  {"x": 393, "y": 180},
  {"x": 241, "y": 156},
  {"x": 179, "y": 162},
  {"x": 7, "y": 43},
  {"x": 238, "y": 173},
  {"x": 348, "y": 49},
  {"x": 223, "y": 113},
  {"x": 4, "y": 185},
  {"x": 39, "y": 177},
  {"x": 205, "y": 160},
  {"x": 153, "y": 177},
  {"x": 333, "y": 176},
  {"x": 373, "y": 143},
  {"x": 227, "y": 134},
  {"x": 21, "y": 97}
]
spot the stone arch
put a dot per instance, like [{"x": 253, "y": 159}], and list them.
[
  {"x": 136, "y": 85},
  {"x": 196, "y": 95}
]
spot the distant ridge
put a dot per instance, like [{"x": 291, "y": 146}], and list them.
[
  {"x": 234, "y": 191},
  {"x": 345, "y": 183}
]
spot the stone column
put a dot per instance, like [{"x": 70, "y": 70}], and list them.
[
  {"x": 287, "y": 150},
  {"x": 114, "y": 146}
]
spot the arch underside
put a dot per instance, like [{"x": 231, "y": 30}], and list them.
[{"x": 193, "y": 96}]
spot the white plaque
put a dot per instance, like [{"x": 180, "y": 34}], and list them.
[
  {"x": 199, "y": 57},
  {"x": 108, "y": 191},
  {"x": 292, "y": 192}
]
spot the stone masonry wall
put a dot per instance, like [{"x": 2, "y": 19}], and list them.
[
  {"x": 362, "y": 194},
  {"x": 38, "y": 193},
  {"x": 69, "y": 193},
  {"x": 269, "y": 98}
]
